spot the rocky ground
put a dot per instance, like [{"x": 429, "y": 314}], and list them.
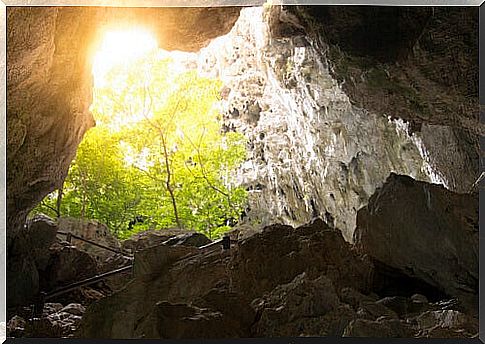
[{"x": 412, "y": 272}]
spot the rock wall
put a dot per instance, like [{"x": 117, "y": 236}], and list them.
[
  {"x": 326, "y": 288},
  {"x": 403, "y": 215},
  {"x": 419, "y": 64},
  {"x": 313, "y": 150}
]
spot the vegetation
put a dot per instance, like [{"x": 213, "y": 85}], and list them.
[{"x": 157, "y": 157}]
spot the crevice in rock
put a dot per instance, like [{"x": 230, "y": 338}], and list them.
[{"x": 388, "y": 281}]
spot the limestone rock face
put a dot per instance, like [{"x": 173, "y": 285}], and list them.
[
  {"x": 49, "y": 93},
  {"x": 424, "y": 231},
  {"x": 418, "y": 64},
  {"x": 49, "y": 84},
  {"x": 404, "y": 54},
  {"x": 313, "y": 151}
]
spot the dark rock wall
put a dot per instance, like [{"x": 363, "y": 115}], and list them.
[
  {"x": 386, "y": 34},
  {"x": 48, "y": 96},
  {"x": 420, "y": 61}
]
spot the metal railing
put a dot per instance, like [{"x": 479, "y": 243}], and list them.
[
  {"x": 69, "y": 237},
  {"x": 38, "y": 306}
]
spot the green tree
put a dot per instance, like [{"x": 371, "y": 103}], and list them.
[{"x": 157, "y": 151}]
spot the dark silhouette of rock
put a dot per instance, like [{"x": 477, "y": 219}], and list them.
[
  {"x": 39, "y": 261},
  {"x": 302, "y": 307},
  {"x": 67, "y": 265},
  {"x": 27, "y": 254},
  {"x": 189, "y": 239},
  {"x": 280, "y": 253},
  {"x": 426, "y": 232},
  {"x": 177, "y": 321}
]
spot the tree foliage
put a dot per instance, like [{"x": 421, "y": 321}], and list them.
[{"x": 156, "y": 154}]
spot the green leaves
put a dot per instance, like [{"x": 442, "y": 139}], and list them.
[{"x": 157, "y": 151}]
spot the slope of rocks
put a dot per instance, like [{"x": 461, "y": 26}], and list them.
[
  {"x": 280, "y": 281},
  {"x": 308, "y": 281}
]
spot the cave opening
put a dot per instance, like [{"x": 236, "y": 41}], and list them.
[
  {"x": 392, "y": 282},
  {"x": 158, "y": 156}
]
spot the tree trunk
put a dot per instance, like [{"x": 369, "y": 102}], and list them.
[
  {"x": 168, "y": 183},
  {"x": 60, "y": 193}
]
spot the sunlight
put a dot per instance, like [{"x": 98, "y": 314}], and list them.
[
  {"x": 121, "y": 47},
  {"x": 118, "y": 48}
]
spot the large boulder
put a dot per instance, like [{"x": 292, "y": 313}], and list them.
[
  {"x": 316, "y": 249},
  {"x": 302, "y": 307},
  {"x": 27, "y": 254},
  {"x": 91, "y": 230},
  {"x": 423, "y": 231},
  {"x": 67, "y": 265},
  {"x": 39, "y": 261}
]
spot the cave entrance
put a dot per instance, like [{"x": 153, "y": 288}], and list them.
[{"x": 157, "y": 157}]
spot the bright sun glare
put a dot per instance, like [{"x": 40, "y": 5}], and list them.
[{"x": 121, "y": 47}]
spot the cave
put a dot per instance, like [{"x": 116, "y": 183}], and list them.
[{"x": 362, "y": 128}]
